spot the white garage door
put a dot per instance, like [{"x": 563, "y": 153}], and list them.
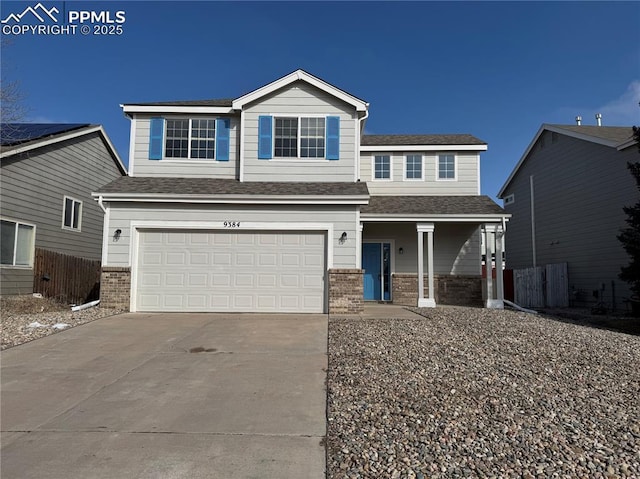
[{"x": 231, "y": 271}]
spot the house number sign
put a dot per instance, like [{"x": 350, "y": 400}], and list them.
[{"x": 231, "y": 224}]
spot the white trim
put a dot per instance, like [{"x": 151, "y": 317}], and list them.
[
  {"x": 136, "y": 226},
  {"x": 359, "y": 229},
  {"x": 301, "y": 75},
  {"x": 73, "y": 209},
  {"x": 132, "y": 144},
  {"x": 478, "y": 173},
  {"x": 496, "y": 218},
  {"x": 234, "y": 199},
  {"x": 216, "y": 110},
  {"x": 404, "y": 167},
  {"x": 373, "y": 169},
  {"x": 356, "y": 144},
  {"x": 455, "y": 167},
  {"x": 426, "y": 303},
  {"x": 241, "y": 159},
  {"x": 105, "y": 235},
  {"x": 423, "y": 148},
  {"x": 32, "y": 247},
  {"x": 74, "y": 134}
]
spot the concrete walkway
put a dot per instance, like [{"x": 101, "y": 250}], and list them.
[{"x": 168, "y": 396}]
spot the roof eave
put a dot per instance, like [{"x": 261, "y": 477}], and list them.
[
  {"x": 232, "y": 198},
  {"x": 424, "y": 147},
  {"x": 129, "y": 110},
  {"x": 471, "y": 218}
]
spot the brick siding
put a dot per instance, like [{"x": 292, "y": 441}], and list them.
[
  {"x": 346, "y": 291},
  {"x": 451, "y": 290},
  {"x": 115, "y": 288}
]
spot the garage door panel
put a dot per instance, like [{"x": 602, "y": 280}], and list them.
[{"x": 231, "y": 271}]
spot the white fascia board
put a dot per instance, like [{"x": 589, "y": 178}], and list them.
[
  {"x": 69, "y": 136},
  {"x": 423, "y": 148},
  {"x": 359, "y": 105},
  {"x": 493, "y": 218},
  {"x": 159, "y": 109},
  {"x": 233, "y": 199}
]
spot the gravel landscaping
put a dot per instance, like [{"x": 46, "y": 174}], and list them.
[
  {"x": 465, "y": 392},
  {"x": 24, "y": 319}
]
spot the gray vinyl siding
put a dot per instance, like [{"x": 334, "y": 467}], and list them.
[
  {"x": 579, "y": 191},
  {"x": 300, "y": 98},
  {"x": 143, "y": 166},
  {"x": 342, "y": 218},
  {"x": 466, "y": 182},
  {"x": 16, "y": 281},
  {"x": 456, "y": 247},
  {"x": 34, "y": 185}
]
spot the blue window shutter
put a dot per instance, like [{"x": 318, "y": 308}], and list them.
[
  {"x": 265, "y": 127},
  {"x": 333, "y": 137},
  {"x": 222, "y": 139},
  {"x": 155, "y": 139}
]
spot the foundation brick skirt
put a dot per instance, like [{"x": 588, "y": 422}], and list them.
[
  {"x": 451, "y": 290},
  {"x": 115, "y": 288},
  {"x": 346, "y": 291}
]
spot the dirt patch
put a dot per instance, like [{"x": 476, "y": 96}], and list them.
[{"x": 28, "y": 304}]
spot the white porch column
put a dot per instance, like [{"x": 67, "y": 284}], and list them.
[
  {"x": 495, "y": 294},
  {"x": 499, "y": 272},
  {"x": 428, "y": 228}
]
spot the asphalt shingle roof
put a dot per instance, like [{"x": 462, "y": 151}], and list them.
[
  {"x": 618, "y": 134},
  {"x": 216, "y": 186},
  {"x": 445, "y": 139},
  {"x": 211, "y": 102},
  {"x": 431, "y": 205}
]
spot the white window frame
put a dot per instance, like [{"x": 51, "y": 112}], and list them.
[
  {"x": 406, "y": 158},
  {"x": 373, "y": 168},
  {"x": 509, "y": 199},
  {"x": 189, "y": 138},
  {"x": 64, "y": 206},
  {"x": 455, "y": 167},
  {"x": 32, "y": 246},
  {"x": 298, "y": 137}
]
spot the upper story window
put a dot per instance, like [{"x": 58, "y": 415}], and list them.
[
  {"x": 189, "y": 138},
  {"x": 382, "y": 167},
  {"x": 509, "y": 200},
  {"x": 413, "y": 167},
  {"x": 446, "y": 166},
  {"x": 71, "y": 214},
  {"x": 309, "y": 131},
  {"x": 295, "y": 136},
  {"x": 194, "y": 138},
  {"x": 16, "y": 243}
]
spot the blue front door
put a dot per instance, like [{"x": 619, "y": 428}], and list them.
[{"x": 371, "y": 263}]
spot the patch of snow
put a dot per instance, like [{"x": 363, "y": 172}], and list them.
[
  {"x": 36, "y": 324},
  {"x": 61, "y": 326}
]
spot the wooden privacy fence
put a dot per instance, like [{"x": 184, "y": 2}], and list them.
[
  {"x": 542, "y": 286},
  {"x": 66, "y": 278}
]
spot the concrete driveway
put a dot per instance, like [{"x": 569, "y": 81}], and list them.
[{"x": 168, "y": 396}]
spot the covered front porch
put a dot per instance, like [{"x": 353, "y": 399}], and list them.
[{"x": 429, "y": 258}]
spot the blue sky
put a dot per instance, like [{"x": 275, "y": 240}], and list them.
[{"x": 497, "y": 70}]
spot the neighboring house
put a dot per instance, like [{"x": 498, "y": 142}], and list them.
[
  {"x": 566, "y": 196},
  {"x": 277, "y": 201},
  {"x": 48, "y": 172}
]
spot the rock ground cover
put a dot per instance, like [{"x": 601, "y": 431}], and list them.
[
  {"x": 466, "y": 392},
  {"x": 25, "y": 318}
]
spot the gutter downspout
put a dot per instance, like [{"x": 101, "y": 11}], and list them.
[
  {"x": 533, "y": 223},
  {"x": 361, "y": 128},
  {"x": 101, "y": 204}
]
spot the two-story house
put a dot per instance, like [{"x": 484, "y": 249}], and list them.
[{"x": 278, "y": 201}]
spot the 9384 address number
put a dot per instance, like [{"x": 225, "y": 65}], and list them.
[{"x": 231, "y": 224}]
